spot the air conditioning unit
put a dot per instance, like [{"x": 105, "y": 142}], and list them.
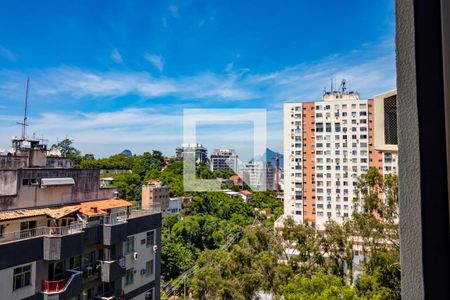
[{"x": 135, "y": 256}]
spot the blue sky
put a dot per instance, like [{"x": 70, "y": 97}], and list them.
[{"x": 117, "y": 74}]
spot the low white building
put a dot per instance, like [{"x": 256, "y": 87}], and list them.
[
  {"x": 106, "y": 181},
  {"x": 175, "y": 206}
]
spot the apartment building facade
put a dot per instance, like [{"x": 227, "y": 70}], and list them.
[
  {"x": 62, "y": 236},
  {"x": 259, "y": 175},
  {"x": 328, "y": 144},
  {"x": 200, "y": 152},
  {"x": 223, "y": 159},
  {"x": 154, "y": 191}
]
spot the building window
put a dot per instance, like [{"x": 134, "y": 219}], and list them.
[
  {"x": 22, "y": 277},
  {"x": 150, "y": 238},
  {"x": 390, "y": 120},
  {"x": 129, "y": 276},
  {"x": 75, "y": 262},
  {"x": 337, "y": 127},
  {"x": 319, "y": 127},
  {"x": 129, "y": 245},
  {"x": 149, "y": 268}
]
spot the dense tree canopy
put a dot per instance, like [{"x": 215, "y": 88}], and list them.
[{"x": 323, "y": 266}]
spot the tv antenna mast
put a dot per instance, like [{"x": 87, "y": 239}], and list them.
[{"x": 24, "y": 123}]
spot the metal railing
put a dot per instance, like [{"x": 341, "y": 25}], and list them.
[
  {"x": 59, "y": 286},
  {"x": 118, "y": 217},
  {"x": 139, "y": 211},
  {"x": 53, "y": 286},
  {"x": 40, "y": 231}
]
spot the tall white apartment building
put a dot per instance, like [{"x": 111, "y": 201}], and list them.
[
  {"x": 259, "y": 175},
  {"x": 328, "y": 144}
]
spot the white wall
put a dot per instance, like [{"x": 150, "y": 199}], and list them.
[
  {"x": 6, "y": 284},
  {"x": 144, "y": 254}
]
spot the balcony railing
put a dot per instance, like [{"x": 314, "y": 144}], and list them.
[
  {"x": 118, "y": 217},
  {"x": 54, "y": 286},
  {"x": 114, "y": 218},
  {"x": 139, "y": 211},
  {"x": 40, "y": 231},
  {"x": 59, "y": 286}
]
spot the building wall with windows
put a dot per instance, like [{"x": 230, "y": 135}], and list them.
[
  {"x": 18, "y": 282},
  {"x": 223, "y": 159},
  {"x": 140, "y": 261},
  {"x": 328, "y": 144}
]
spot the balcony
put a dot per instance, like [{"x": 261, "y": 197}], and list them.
[
  {"x": 63, "y": 242},
  {"x": 68, "y": 287},
  {"x": 114, "y": 227},
  {"x": 40, "y": 232},
  {"x": 91, "y": 272}
]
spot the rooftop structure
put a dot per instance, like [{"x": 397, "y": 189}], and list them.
[{"x": 200, "y": 152}]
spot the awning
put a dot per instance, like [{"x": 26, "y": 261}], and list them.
[{"x": 45, "y": 182}]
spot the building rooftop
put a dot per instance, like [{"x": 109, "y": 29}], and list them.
[
  {"x": 89, "y": 208},
  {"x": 100, "y": 207},
  {"x": 55, "y": 213}
]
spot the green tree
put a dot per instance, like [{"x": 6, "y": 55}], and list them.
[
  {"x": 129, "y": 186},
  {"x": 146, "y": 162},
  {"x": 318, "y": 287},
  {"x": 66, "y": 148},
  {"x": 175, "y": 258}
]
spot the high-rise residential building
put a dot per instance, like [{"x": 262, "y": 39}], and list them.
[
  {"x": 328, "y": 144},
  {"x": 201, "y": 153},
  {"x": 223, "y": 159},
  {"x": 63, "y": 236},
  {"x": 385, "y": 131},
  {"x": 259, "y": 175}
]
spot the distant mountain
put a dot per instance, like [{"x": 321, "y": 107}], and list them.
[
  {"x": 127, "y": 152},
  {"x": 270, "y": 157},
  {"x": 272, "y": 154}
]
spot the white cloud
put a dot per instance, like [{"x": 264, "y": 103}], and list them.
[
  {"x": 78, "y": 84},
  {"x": 155, "y": 60},
  {"x": 369, "y": 70},
  {"x": 7, "y": 54},
  {"x": 116, "y": 56},
  {"x": 138, "y": 129}
]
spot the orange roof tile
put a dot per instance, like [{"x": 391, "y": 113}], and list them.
[
  {"x": 100, "y": 207},
  {"x": 153, "y": 181},
  {"x": 89, "y": 208},
  {"x": 52, "y": 212}
]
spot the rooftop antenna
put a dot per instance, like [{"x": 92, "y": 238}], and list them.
[
  {"x": 331, "y": 85},
  {"x": 24, "y": 124}
]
